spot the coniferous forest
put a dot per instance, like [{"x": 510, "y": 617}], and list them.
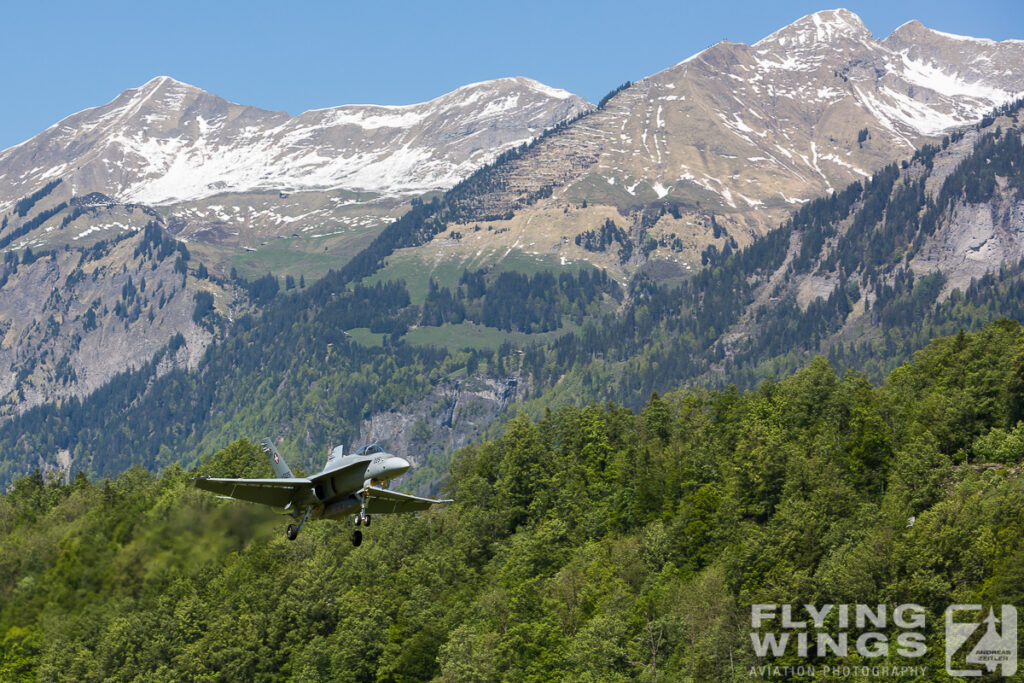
[{"x": 592, "y": 544}]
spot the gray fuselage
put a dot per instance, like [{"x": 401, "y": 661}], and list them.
[{"x": 335, "y": 488}]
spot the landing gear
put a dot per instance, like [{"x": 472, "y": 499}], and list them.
[
  {"x": 292, "y": 532},
  {"x": 362, "y": 519}
]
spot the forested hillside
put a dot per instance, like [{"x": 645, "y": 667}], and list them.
[
  {"x": 595, "y": 543},
  {"x": 292, "y": 371}
]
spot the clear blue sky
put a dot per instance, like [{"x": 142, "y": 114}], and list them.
[{"x": 61, "y": 57}]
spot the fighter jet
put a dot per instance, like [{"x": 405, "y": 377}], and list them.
[{"x": 348, "y": 484}]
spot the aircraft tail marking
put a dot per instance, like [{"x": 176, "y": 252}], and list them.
[{"x": 281, "y": 470}]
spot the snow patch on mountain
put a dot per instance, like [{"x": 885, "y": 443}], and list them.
[{"x": 949, "y": 83}]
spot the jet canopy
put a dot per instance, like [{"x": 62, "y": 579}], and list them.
[{"x": 370, "y": 449}]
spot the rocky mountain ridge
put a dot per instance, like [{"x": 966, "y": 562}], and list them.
[
  {"x": 231, "y": 177},
  {"x": 243, "y": 187},
  {"x": 720, "y": 148},
  {"x": 167, "y": 142},
  {"x": 928, "y": 245}
]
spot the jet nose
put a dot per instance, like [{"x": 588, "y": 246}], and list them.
[{"x": 399, "y": 466}]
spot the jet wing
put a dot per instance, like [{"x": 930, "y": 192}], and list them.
[
  {"x": 276, "y": 492},
  {"x": 383, "y": 502}
]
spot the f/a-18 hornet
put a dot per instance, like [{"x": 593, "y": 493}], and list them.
[{"x": 348, "y": 484}]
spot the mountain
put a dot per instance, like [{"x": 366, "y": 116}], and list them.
[
  {"x": 168, "y": 142},
  {"x": 166, "y": 164},
  {"x": 718, "y": 149},
  {"x": 865, "y": 276},
  {"x": 226, "y": 174}
]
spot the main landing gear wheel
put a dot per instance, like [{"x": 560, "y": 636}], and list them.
[
  {"x": 292, "y": 532},
  {"x": 356, "y": 537}
]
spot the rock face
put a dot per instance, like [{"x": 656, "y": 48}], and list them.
[
  {"x": 974, "y": 238},
  {"x": 930, "y": 232},
  {"x": 72, "y": 319},
  {"x": 746, "y": 133},
  {"x": 452, "y": 415}
]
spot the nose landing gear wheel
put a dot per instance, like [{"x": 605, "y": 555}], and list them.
[
  {"x": 291, "y": 532},
  {"x": 356, "y": 537},
  {"x": 366, "y": 520}
]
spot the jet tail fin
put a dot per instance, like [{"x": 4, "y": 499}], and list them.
[
  {"x": 281, "y": 470},
  {"x": 336, "y": 454}
]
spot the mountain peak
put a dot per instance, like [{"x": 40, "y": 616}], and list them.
[
  {"x": 161, "y": 92},
  {"x": 532, "y": 84},
  {"x": 515, "y": 82},
  {"x": 915, "y": 32},
  {"x": 165, "y": 83},
  {"x": 157, "y": 81},
  {"x": 826, "y": 26}
]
